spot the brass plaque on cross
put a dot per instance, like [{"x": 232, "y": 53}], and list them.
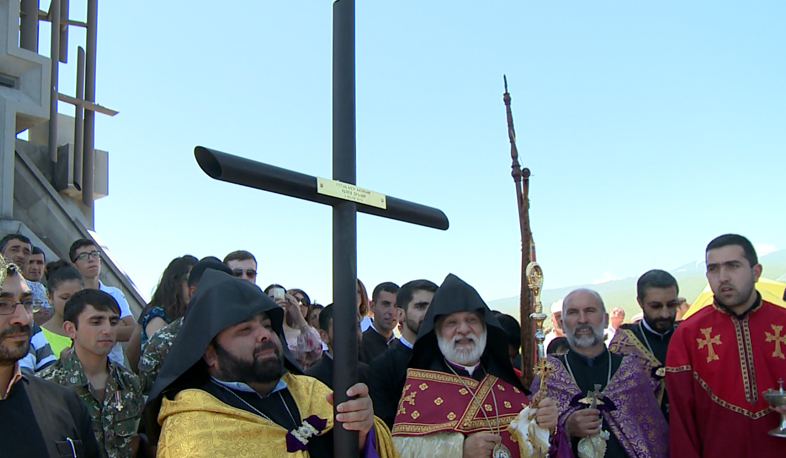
[{"x": 346, "y": 191}]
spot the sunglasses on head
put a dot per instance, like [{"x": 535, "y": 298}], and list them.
[{"x": 250, "y": 273}]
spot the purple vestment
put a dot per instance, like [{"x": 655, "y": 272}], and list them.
[{"x": 630, "y": 407}]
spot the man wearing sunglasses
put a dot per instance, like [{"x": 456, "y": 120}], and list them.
[
  {"x": 243, "y": 265},
  {"x": 86, "y": 256}
]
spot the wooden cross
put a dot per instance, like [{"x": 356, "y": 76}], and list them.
[
  {"x": 778, "y": 339},
  {"x": 346, "y": 200},
  {"x": 709, "y": 342}
]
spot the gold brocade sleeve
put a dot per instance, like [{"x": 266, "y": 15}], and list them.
[
  {"x": 385, "y": 448},
  {"x": 197, "y": 425}
]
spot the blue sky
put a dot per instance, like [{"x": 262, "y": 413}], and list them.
[{"x": 649, "y": 127}]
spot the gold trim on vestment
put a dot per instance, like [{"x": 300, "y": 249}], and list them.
[
  {"x": 676, "y": 369},
  {"x": 441, "y": 377},
  {"x": 615, "y": 346},
  {"x": 745, "y": 353},
  {"x": 727, "y": 405},
  {"x": 754, "y": 390}
]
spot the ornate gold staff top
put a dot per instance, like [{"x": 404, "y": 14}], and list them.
[{"x": 543, "y": 368}]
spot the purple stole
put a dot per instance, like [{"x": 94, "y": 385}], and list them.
[{"x": 629, "y": 407}]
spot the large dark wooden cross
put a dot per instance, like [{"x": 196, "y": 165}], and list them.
[{"x": 340, "y": 193}]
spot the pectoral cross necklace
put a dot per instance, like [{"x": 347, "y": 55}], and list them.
[
  {"x": 567, "y": 365},
  {"x": 257, "y": 410}
]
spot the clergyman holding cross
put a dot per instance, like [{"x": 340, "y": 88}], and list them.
[
  {"x": 230, "y": 388},
  {"x": 593, "y": 387}
]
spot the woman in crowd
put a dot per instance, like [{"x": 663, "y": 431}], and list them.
[
  {"x": 363, "y": 308},
  {"x": 170, "y": 297},
  {"x": 167, "y": 305},
  {"x": 302, "y": 299},
  {"x": 313, "y": 315},
  {"x": 303, "y": 340},
  {"x": 63, "y": 281}
]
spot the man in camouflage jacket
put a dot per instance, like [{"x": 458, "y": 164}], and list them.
[{"x": 111, "y": 393}]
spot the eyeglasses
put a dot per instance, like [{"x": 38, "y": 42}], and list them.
[
  {"x": 85, "y": 255},
  {"x": 250, "y": 273},
  {"x": 9, "y": 307}
]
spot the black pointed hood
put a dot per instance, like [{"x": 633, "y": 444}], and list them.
[
  {"x": 455, "y": 295},
  {"x": 219, "y": 301}
]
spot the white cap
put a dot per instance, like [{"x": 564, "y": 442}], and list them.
[{"x": 556, "y": 307}]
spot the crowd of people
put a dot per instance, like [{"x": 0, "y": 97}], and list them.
[{"x": 215, "y": 366}]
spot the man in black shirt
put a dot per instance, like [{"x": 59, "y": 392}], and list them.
[
  {"x": 322, "y": 370},
  {"x": 37, "y": 418},
  {"x": 388, "y": 371},
  {"x": 379, "y": 336}
]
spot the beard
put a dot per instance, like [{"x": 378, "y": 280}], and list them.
[
  {"x": 463, "y": 357},
  {"x": 584, "y": 341},
  {"x": 234, "y": 369},
  {"x": 15, "y": 352},
  {"x": 413, "y": 325},
  {"x": 660, "y": 324}
]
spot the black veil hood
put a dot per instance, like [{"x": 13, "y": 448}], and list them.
[
  {"x": 219, "y": 301},
  {"x": 455, "y": 295}
]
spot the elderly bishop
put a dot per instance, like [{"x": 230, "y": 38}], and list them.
[{"x": 461, "y": 392}]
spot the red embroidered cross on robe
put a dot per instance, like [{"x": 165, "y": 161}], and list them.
[{"x": 717, "y": 368}]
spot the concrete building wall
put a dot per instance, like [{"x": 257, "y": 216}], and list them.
[{"x": 38, "y": 197}]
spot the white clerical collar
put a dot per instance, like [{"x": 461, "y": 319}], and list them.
[
  {"x": 405, "y": 342},
  {"x": 392, "y": 336},
  {"x": 240, "y": 386},
  {"x": 661, "y": 334},
  {"x": 469, "y": 369}
]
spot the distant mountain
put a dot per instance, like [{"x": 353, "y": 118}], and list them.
[{"x": 622, "y": 293}]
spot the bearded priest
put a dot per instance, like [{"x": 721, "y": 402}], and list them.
[
  {"x": 461, "y": 392},
  {"x": 230, "y": 387},
  {"x": 606, "y": 401}
]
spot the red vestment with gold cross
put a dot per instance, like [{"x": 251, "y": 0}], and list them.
[
  {"x": 435, "y": 401},
  {"x": 717, "y": 368}
]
